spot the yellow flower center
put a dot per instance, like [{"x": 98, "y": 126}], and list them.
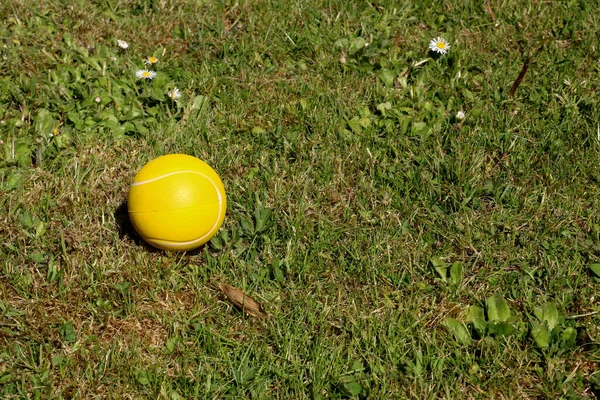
[
  {"x": 152, "y": 60},
  {"x": 441, "y": 45},
  {"x": 146, "y": 74}
]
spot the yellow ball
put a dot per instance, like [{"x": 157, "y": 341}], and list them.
[{"x": 177, "y": 202}]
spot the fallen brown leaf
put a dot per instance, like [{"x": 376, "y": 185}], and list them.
[{"x": 243, "y": 301}]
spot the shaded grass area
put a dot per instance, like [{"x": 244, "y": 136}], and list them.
[{"x": 352, "y": 188}]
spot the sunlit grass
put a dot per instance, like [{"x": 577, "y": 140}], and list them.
[{"x": 411, "y": 229}]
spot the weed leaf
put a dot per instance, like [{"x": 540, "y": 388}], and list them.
[
  {"x": 440, "y": 267},
  {"x": 456, "y": 272},
  {"x": 568, "y": 337},
  {"x": 476, "y": 316},
  {"x": 460, "y": 331},
  {"x": 595, "y": 268},
  {"x": 497, "y": 308},
  {"x": 352, "y": 388},
  {"x": 387, "y": 77},
  {"x": 547, "y": 313},
  {"x": 541, "y": 335},
  {"x": 500, "y": 328}
]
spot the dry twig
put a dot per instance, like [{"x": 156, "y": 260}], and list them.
[
  {"x": 489, "y": 10},
  {"x": 519, "y": 78}
]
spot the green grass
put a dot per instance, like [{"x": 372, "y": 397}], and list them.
[{"x": 400, "y": 252}]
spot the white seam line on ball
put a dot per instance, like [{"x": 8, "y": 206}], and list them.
[
  {"x": 175, "y": 173},
  {"x": 180, "y": 244}
]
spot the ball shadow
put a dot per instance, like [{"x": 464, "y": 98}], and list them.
[{"x": 126, "y": 230}]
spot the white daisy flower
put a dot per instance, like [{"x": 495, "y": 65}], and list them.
[
  {"x": 122, "y": 44},
  {"x": 460, "y": 115},
  {"x": 439, "y": 45},
  {"x": 145, "y": 74},
  {"x": 150, "y": 60},
  {"x": 174, "y": 94}
]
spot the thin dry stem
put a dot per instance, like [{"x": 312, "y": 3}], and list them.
[{"x": 489, "y": 10}]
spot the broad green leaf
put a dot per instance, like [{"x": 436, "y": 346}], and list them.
[
  {"x": 68, "y": 39},
  {"x": 58, "y": 359},
  {"x": 353, "y": 388},
  {"x": 158, "y": 93},
  {"x": 247, "y": 226},
  {"x": 92, "y": 62},
  {"x": 160, "y": 82},
  {"x": 68, "y": 332},
  {"x": 142, "y": 378},
  {"x": 547, "y": 313},
  {"x": 122, "y": 288},
  {"x": 500, "y": 328},
  {"x": 387, "y": 77},
  {"x": 383, "y": 107},
  {"x": 475, "y": 312},
  {"x": 73, "y": 116},
  {"x": 357, "y": 44},
  {"x": 541, "y": 335},
  {"x": 355, "y": 125},
  {"x": 44, "y": 122},
  {"x": 139, "y": 127},
  {"x": 26, "y": 220},
  {"x": 171, "y": 344},
  {"x": 40, "y": 229},
  {"x": 595, "y": 268},
  {"x": 456, "y": 272},
  {"x": 276, "y": 271},
  {"x": 262, "y": 217},
  {"x": 417, "y": 366},
  {"x": 357, "y": 365},
  {"x": 568, "y": 337},
  {"x": 403, "y": 123},
  {"x": 342, "y": 42},
  {"x": 5, "y": 377},
  {"x": 154, "y": 111},
  {"x": 476, "y": 316},
  {"x": 460, "y": 331},
  {"x": 23, "y": 155},
  {"x": 14, "y": 180},
  {"x": 388, "y": 125},
  {"x": 11, "y": 312},
  {"x": 497, "y": 308},
  {"x": 440, "y": 267},
  {"x": 418, "y": 127},
  {"x": 38, "y": 257}
]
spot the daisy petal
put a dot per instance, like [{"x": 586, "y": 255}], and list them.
[
  {"x": 145, "y": 74},
  {"x": 439, "y": 45},
  {"x": 174, "y": 94}
]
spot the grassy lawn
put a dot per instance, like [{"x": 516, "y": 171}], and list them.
[{"x": 416, "y": 225}]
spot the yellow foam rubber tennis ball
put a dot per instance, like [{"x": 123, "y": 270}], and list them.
[{"x": 177, "y": 202}]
